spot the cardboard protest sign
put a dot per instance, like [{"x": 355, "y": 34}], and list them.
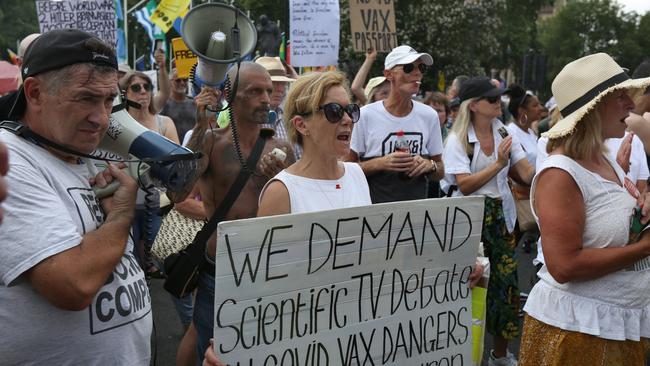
[
  {"x": 97, "y": 17},
  {"x": 183, "y": 56},
  {"x": 372, "y": 24},
  {"x": 387, "y": 283},
  {"x": 314, "y": 32}
]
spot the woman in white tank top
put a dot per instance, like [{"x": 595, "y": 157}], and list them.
[
  {"x": 592, "y": 303},
  {"x": 319, "y": 118}
]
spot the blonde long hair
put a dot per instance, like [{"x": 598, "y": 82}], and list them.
[
  {"x": 460, "y": 128},
  {"x": 585, "y": 141}
]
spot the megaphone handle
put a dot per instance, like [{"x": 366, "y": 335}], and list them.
[{"x": 106, "y": 191}]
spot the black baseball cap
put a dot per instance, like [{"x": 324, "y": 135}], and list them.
[
  {"x": 479, "y": 87},
  {"x": 59, "y": 48}
]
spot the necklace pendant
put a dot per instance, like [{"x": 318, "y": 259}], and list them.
[{"x": 338, "y": 186}]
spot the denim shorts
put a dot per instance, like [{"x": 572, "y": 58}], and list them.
[{"x": 204, "y": 314}]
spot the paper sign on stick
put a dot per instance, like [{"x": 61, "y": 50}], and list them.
[
  {"x": 314, "y": 32},
  {"x": 97, "y": 17},
  {"x": 372, "y": 24},
  {"x": 184, "y": 57},
  {"x": 385, "y": 282}
]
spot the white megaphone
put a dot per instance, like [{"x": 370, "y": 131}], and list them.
[
  {"x": 162, "y": 162},
  {"x": 219, "y": 35}
]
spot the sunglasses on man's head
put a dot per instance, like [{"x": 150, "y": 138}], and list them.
[
  {"x": 334, "y": 112},
  {"x": 136, "y": 88},
  {"x": 491, "y": 100},
  {"x": 408, "y": 68}
]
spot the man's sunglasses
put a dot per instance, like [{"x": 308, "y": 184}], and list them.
[
  {"x": 334, "y": 112},
  {"x": 491, "y": 100},
  {"x": 408, "y": 68},
  {"x": 136, "y": 88},
  {"x": 180, "y": 80}
]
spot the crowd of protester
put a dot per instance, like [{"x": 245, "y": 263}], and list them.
[{"x": 567, "y": 175}]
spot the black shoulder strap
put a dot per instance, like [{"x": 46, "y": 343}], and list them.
[
  {"x": 235, "y": 189},
  {"x": 470, "y": 156}
]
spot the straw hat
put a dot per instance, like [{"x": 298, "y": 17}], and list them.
[
  {"x": 582, "y": 84},
  {"x": 372, "y": 84},
  {"x": 275, "y": 68}
]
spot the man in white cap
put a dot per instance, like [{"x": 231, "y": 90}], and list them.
[{"x": 398, "y": 175}]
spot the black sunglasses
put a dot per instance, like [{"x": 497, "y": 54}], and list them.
[
  {"x": 408, "y": 68},
  {"x": 334, "y": 112},
  {"x": 491, "y": 100},
  {"x": 137, "y": 87}
]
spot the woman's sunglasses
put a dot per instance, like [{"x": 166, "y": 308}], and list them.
[
  {"x": 334, "y": 112},
  {"x": 491, "y": 100},
  {"x": 408, "y": 68},
  {"x": 137, "y": 87}
]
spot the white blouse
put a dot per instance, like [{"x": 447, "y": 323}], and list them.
[
  {"x": 615, "y": 306},
  {"x": 457, "y": 162}
]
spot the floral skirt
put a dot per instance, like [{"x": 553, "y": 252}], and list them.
[
  {"x": 503, "y": 291},
  {"x": 546, "y": 345}
]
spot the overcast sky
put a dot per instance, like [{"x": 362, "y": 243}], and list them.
[{"x": 640, "y": 6}]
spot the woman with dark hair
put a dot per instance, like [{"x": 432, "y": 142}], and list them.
[
  {"x": 525, "y": 109},
  {"x": 591, "y": 304},
  {"x": 137, "y": 87}
]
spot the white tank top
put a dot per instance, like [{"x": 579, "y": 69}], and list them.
[
  {"x": 615, "y": 306},
  {"x": 308, "y": 195}
]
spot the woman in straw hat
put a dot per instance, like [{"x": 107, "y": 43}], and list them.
[{"x": 591, "y": 305}]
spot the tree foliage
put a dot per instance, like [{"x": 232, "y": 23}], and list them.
[
  {"x": 18, "y": 19},
  {"x": 586, "y": 27},
  {"x": 463, "y": 36}
]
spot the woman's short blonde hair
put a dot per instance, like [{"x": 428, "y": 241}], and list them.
[
  {"x": 125, "y": 81},
  {"x": 585, "y": 141},
  {"x": 307, "y": 93}
]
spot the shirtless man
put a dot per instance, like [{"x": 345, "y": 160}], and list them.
[{"x": 220, "y": 167}]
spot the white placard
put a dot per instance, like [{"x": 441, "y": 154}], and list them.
[
  {"x": 96, "y": 17},
  {"x": 314, "y": 32},
  {"x": 385, "y": 282}
]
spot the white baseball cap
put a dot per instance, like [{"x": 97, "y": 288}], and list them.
[{"x": 403, "y": 55}]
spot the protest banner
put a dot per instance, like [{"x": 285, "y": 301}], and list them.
[
  {"x": 314, "y": 32},
  {"x": 383, "y": 284},
  {"x": 372, "y": 24},
  {"x": 183, "y": 57},
  {"x": 97, "y": 17},
  {"x": 167, "y": 12}
]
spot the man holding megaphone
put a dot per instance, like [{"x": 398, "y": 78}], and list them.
[
  {"x": 72, "y": 291},
  {"x": 221, "y": 163}
]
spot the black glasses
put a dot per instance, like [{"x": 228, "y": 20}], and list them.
[
  {"x": 137, "y": 87},
  {"x": 408, "y": 68},
  {"x": 491, "y": 100},
  {"x": 334, "y": 112},
  {"x": 180, "y": 80}
]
